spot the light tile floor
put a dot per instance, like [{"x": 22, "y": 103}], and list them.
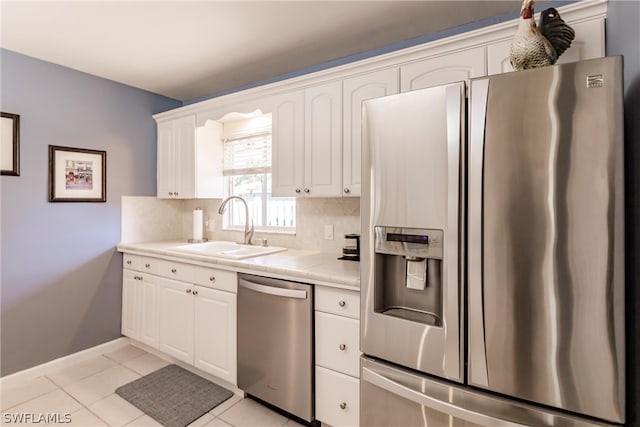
[{"x": 86, "y": 391}]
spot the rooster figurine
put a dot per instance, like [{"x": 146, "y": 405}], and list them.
[{"x": 534, "y": 47}]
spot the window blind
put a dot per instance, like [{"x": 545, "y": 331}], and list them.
[{"x": 247, "y": 155}]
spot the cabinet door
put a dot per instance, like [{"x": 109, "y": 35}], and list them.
[
  {"x": 184, "y": 137},
  {"x": 287, "y": 127},
  {"x": 588, "y": 44},
  {"x": 355, "y": 91},
  {"x": 323, "y": 140},
  {"x": 148, "y": 310},
  {"x": 337, "y": 398},
  {"x": 175, "y": 311},
  {"x": 130, "y": 304},
  {"x": 165, "y": 172},
  {"x": 450, "y": 68},
  {"x": 215, "y": 333},
  {"x": 337, "y": 343}
]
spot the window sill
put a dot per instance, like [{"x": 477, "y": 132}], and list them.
[{"x": 264, "y": 231}]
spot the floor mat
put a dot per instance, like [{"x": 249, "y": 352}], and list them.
[{"x": 173, "y": 396}]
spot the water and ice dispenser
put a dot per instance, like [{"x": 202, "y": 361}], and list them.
[{"x": 408, "y": 274}]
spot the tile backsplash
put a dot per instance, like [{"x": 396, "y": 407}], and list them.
[{"x": 146, "y": 219}]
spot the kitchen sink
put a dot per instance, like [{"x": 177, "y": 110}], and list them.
[{"x": 228, "y": 250}]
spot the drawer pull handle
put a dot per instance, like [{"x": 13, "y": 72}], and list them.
[
  {"x": 343, "y": 405},
  {"x": 188, "y": 291},
  {"x": 173, "y": 270},
  {"x": 342, "y": 347},
  {"x": 212, "y": 278},
  {"x": 147, "y": 265},
  {"x": 128, "y": 262},
  {"x": 342, "y": 303},
  {"x": 195, "y": 292}
]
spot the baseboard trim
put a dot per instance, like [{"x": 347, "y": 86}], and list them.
[{"x": 62, "y": 362}]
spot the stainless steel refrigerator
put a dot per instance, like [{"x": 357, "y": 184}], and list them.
[{"x": 492, "y": 264}]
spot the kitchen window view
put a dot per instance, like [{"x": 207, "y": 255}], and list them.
[{"x": 247, "y": 172}]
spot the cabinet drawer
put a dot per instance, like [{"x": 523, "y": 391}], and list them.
[
  {"x": 337, "y": 398},
  {"x": 338, "y": 301},
  {"x": 131, "y": 262},
  {"x": 338, "y": 343},
  {"x": 216, "y": 279},
  {"x": 169, "y": 269}
]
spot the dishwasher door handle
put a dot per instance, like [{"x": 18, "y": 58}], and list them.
[{"x": 272, "y": 290}]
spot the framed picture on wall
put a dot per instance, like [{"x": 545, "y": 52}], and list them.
[
  {"x": 77, "y": 175},
  {"x": 9, "y": 144}
]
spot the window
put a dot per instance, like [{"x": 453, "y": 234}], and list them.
[{"x": 247, "y": 171}]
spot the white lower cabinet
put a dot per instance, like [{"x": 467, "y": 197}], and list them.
[
  {"x": 191, "y": 323},
  {"x": 176, "y": 319},
  {"x": 215, "y": 333},
  {"x": 337, "y": 342},
  {"x": 337, "y": 398}
]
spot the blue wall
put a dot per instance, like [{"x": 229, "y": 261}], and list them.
[
  {"x": 623, "y": 37},
  {"x": 61, "y": 276}
]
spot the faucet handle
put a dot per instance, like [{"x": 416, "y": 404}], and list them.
[{"x": 263, "y": 242}]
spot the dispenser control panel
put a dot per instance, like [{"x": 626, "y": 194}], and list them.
[{"x": 418, "y": 242}]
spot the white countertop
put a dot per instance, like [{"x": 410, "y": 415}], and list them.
[{"x": 309, "y": 266}]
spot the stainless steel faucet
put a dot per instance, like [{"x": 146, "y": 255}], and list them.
[{"x": 248, "y": 232}]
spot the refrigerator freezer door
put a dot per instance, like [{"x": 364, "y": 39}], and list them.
[
  {"x": 392, "y": 396},
  {"x": 546, "y": 285},
  {"x": 411, "y": 181}
]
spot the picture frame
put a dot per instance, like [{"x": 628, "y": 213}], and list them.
[
  {"x": 77, "y": 174},
  {"x": 9, "y": 144}
]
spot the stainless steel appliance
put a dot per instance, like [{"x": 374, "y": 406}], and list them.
[
  {"x": 542, "y": 255},
  {"x": 275, "y": 343}
]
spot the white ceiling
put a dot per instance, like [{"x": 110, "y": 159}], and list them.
[{"x": 187, "y": 50}]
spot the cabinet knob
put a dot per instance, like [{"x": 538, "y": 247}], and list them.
[
  {"x": 297, "y": 191},
  {"x": 175, "y": 194},
  {"x": 174, "y": 271},
  {"x": 346, "y": 191},
  {"x": 343, "y": 405},
  {"x": 171, "y": 193},
  {"x": 128, "y": 262},
  {"x": 342, "y": 303},
  {"x": 188, "y": 291},
  {"x": 195, "y": 292},
  {"x": 212, "y": 278},
  {"x": 342, "y": 347},
  {"x": 306, "y": 190},
  {"x": 147, "y": 265}
]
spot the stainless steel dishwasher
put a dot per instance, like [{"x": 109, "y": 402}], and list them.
[{"x": 275, "y": 343}]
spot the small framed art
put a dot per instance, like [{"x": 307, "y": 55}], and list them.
[
  {"x": 9, "y": 144},
  {"x": 77, "y": 175}
]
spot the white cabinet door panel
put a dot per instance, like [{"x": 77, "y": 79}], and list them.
[
  {"x": 165, "y": 172},
  {"x": 149, "y": 311},
  {"x": 184, "y": 151},
  {"x": 130, "y": 304},
  {"x": 337, "y": 398},
  {"x": 175, "y": 311},
  {"x": 215, "y": 333},
  {"x": 323, "y": 140},
  {"x": 439, "y": 70},
  {"x": 355, "y": 91},
  {"x": 338, "y": 343},
  {"x": 287, "y": 130}
]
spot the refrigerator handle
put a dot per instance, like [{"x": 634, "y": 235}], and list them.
[
  {"x": 431, "y": 402},
  {"x": 478, "y": 374}
]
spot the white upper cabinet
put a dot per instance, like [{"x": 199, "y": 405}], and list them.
[
  {"x": 323, "y": 140},
  {"x": 189, "y": 159},
  {"x": 439, "y": 70},
  {"x": 287, "y": 128},
  {"x": 588, "y": 44},
  {"x": 355, "y": 91}
]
